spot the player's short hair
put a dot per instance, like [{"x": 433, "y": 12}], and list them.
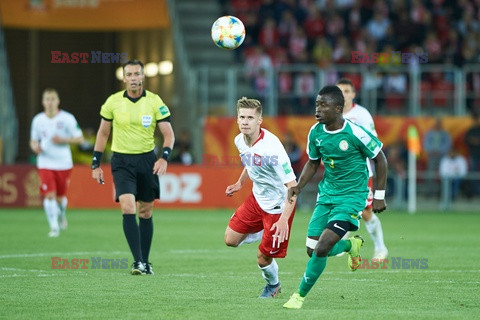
[
  {"x": 347, "y": 82},
  {"x": 50, "y": 90},
  {"x": 247, "y": 103},
  {"x": 133, "y": 62},
  {"x": 334, "y": 94}
]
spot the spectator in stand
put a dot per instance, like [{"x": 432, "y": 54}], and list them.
[
  {"x": 268, "y": 34},
  {"x": 182, "y": 149},
  {"x": 322, "y": 53},
  {"x": 286, "y": 28},
  {"x": 255, "y": 62},
  {"x": 293, "y": 151},
  {"x": 314, "y": 26},
  {"x": 377, "y": 27},
  {"x": 305, "y": 91},
  {"x": 436, "y": 143},
  {"x": 472, "y": 140},
  {"x": 453, "y": 168},
  {"x": 342, "y": 53},
  {"x": 297, "y": 47}
]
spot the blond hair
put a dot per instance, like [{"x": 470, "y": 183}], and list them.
[{"x": 247, "y": 103}]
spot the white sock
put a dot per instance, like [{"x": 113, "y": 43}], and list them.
[
  {"x": 374, "y": 227},
  {"x": 51, "y": 210},
  {"x": 63, "y": 207},
  {"x": 252, "y": 237},
  {"x": 270, "y": 273}
]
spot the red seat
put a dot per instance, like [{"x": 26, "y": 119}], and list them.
[
  {"x": 394, "y": 101},
  {"x": 442, "y": 93}
]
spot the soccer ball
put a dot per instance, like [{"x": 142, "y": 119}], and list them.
[{"x": 228, "y": 32}]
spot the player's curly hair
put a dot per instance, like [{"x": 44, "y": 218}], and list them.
[{"x": 247, "y": 103}]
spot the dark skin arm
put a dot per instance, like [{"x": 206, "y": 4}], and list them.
[
  {"x": 381, "y": 168},
  {"x": 307, "y": 174}
]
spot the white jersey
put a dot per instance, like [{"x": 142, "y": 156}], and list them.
[
  {"x": 361, "y": 116},
  {"x": 54, "y": 156},
  {"x": 269, "y": 168}
]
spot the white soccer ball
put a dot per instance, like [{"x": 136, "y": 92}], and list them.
[{"x": 228, "y": 32}]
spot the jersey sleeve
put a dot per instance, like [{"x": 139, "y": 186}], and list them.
[
  {"x": 161, "y": 109},
  {"x": 312, "y": 150},
  {"x": 34, "y": 132},
  {"x": 282, "y": 165},
  {"x": 368, "y": 144},
  {"x": 369, "y": 124},
  {"x": 74, "y": 128},
  {"x": 107, "y": 109}
]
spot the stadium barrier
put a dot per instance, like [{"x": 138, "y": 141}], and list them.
[{"x": 182, "y": 187}]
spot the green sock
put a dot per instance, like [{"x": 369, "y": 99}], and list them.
[
  {"x": 340, "y": 246},
  {"x": 315, "y": 267}
]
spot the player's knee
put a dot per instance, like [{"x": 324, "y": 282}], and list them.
[
  {"x": 230, "y": 241},
  {"x": 263, "y": 260},
  {"x": 321, "y": 251},
  {"x": 309, "y": 252},
  {"x": 51, "y": 196},
  {"x": 367, "y": 214},
  {"x": 310, "y": 244}
]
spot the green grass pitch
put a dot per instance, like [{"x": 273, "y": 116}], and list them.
[{"x": 198, "y": 277}]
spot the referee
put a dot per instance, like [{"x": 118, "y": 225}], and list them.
[{"x": 133, "y": 114}]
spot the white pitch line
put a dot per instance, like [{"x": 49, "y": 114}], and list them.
[
  {"x": 58, "y": 254},
  {"x": 17, "y": 269}
]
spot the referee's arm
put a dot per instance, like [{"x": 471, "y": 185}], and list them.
[{"x": 165, "y": 128}]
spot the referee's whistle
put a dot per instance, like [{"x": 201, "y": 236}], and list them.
[{"x": 101, "y": 181}]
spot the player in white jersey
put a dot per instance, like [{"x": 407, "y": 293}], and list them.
[
  {"x": 266, "y": 214},
  {"x": 51, "y": 134},
  {"x": 361, "y": 116}
]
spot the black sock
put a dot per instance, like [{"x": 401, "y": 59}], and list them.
[
  {"x": 146, "y": 235},
  {"x": 130, "y": 228}
]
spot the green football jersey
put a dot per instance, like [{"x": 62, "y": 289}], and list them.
[{"x": 343, "y": 154}]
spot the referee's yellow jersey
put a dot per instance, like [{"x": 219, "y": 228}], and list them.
[{"x": 134, "y": 120}]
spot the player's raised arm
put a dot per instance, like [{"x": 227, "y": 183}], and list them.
[
  {"x": 381, "y": 167},
  {"x": 231, "y": 189}
]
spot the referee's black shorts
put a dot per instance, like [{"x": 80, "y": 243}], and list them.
[{"x": 133, "y": 173}]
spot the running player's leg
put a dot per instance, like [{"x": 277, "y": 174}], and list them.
[
  {"x": 62, "y": 179},
  {"x": 125, "y": 182},
  {"x": 245, "y": 225},
  {"x": 148, "y": 189},
  {"x": 49, "y": 191},
  {"x": 374, "y": 226},
  {"x": 268, "y": 250},
  {"x": 145, "y": 210},
  {"x": 335, "y": 221}
]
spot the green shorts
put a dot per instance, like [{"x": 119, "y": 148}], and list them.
[{"x": 324, "y": 213}]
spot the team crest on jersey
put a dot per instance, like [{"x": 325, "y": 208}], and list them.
[
  {"x": 343, "y": 145},
  {"x": 257, "y": 159},
  {"x": 146, "y": 121},
  {"x": 59, "y": 125}
]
